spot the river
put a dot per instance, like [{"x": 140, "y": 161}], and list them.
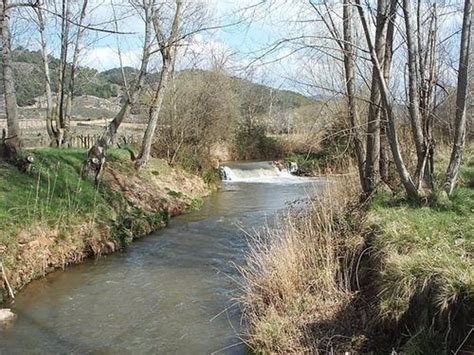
[{"x": 172, "y": 292}]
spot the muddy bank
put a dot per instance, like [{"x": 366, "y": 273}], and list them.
[{"x": 51, "y": 218}]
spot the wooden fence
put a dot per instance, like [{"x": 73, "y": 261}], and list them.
[
  {"x": 88, "y": 140},
  {"x": 81, "y": 140}
]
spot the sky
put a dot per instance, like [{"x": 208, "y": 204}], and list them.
[
  {"x": 244, "y": 37},
  {"x": 246, "y": 32}
]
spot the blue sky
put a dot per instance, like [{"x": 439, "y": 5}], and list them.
[{"x": 241, "y": 44}]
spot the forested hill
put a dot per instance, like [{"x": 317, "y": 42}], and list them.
[{"x": 29, "y": 81}]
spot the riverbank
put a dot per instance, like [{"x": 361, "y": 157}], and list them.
[
  {"x": 52, "y": 218},
  {"x": 391, "y": 274}
]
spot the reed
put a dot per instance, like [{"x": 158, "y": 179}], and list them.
[
  {"x": 298, "y": 278},
  {"x": 341, "y": 275}
]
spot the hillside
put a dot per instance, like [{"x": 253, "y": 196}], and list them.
[{"x": 28, "y": 71}]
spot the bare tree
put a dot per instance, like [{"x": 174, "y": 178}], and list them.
[
  {"x": 387, "y": 103},
  {"x": 65, "y": 91},
  {"x": 11, "y": 141},
  {"x": 372, "y": 167},
  {"x": 168, "y": 47},
  {"x": 61, "y": 92},
  {"x": 96, "y": 156},
  {"x": 461, "y": 102},
  {"x": 351, "y": 90},
  {"x": 73, "y": 72},
  {"x": 368, "y": 160},
  {"x": 41, "y": 21},
  {"x": 200, "y": 109},
  {"x": 428, "y": 69},
  {"x": 421, "y": 83},
  {"x": 384, "y": 158}
]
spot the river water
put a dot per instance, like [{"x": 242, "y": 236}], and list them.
[{"x": 170, "y": 293}]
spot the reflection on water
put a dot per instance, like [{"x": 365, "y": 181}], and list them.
[{"x": 171, "y": 292}]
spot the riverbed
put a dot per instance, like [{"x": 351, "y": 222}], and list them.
[{"x": 171, "y": 292}]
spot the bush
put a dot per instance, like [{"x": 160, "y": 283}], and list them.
[
  {"x": 253, "y": 143},
  {"x": 137, "y": 223}
]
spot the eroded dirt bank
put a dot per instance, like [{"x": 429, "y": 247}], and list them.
[{"x": 51, "y": 218}]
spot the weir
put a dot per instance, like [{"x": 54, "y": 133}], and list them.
[{"x": 257, "y": 172}]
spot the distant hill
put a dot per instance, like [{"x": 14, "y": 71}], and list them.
[
  {"x": 29, "y": 82},
  {"x": 29, "y": 78},
  {"x": 262, "y": 96}
]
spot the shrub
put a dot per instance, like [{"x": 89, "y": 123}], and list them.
[{"x": 253, "y": 143}]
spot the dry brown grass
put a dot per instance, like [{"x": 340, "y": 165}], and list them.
[{"x": 299, "y": 277}]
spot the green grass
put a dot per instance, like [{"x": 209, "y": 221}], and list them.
[
  {"x": 71, "y": 216},
  {"x": 175, "y": 194},
  {"x": 409, "y": 268},
  {"x": 426, "y": 264},
  {"x": 52, "y": 194}
]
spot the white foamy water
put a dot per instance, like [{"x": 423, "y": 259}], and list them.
[{"x": 259, "y": 172}]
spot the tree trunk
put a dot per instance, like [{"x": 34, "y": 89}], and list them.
[
  {"x": 12, "y": 142},
  {"x": 60, "y": 96},
  {"x": 373, "y": 120},
  {"x": 413, "y": 96},
  {"x": 153, "y": 115},
  {"x": 461, "y": 105},
  {"x": 384, "y": 158},
  {"x": 350, "y": 89},
  {"x": 392, "y": 134},
  {"x": 427, "y": 68},
  {"x": 47, "y": 77},
  {"x": 168, "y": 48},
  {"x": 96, "y": 156},
  {"x": 72, "y": 74}
]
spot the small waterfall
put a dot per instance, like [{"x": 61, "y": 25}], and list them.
[{"x": 255, "y": 172}]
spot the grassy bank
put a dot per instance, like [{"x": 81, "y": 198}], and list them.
[
  {"x": 339, "y": 276},
  {"x": 51, "y": 217}
]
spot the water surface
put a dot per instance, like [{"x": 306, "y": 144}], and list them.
[{"x": 169, "y": 293}]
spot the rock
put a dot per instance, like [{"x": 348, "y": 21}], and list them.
[
  {"x": 293, "y": 168},
  {"x": 6, "y": 316}
]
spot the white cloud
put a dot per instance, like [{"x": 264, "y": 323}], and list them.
[
  {"x": 201, "y": 51},
  {"x": 104, "y": 58}
]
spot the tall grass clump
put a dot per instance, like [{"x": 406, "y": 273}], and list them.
[
  {"x": 426, "y": 267},
  {"x": 299, "y": 277}
]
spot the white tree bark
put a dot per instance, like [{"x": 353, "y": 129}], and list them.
[
  {"x": 47, "y": 76},
  {"x": 372, "y": 167},
  {"x": 413, "y": 93},
  {"x": 60, "y": 96},
  {"x": 96, "y": 156},
  {"x": 73, "y": 72}
]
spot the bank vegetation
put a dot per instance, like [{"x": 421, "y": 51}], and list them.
[
  {"x": 52, "y": 218},
  {"x": 383, "y": 261}
]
